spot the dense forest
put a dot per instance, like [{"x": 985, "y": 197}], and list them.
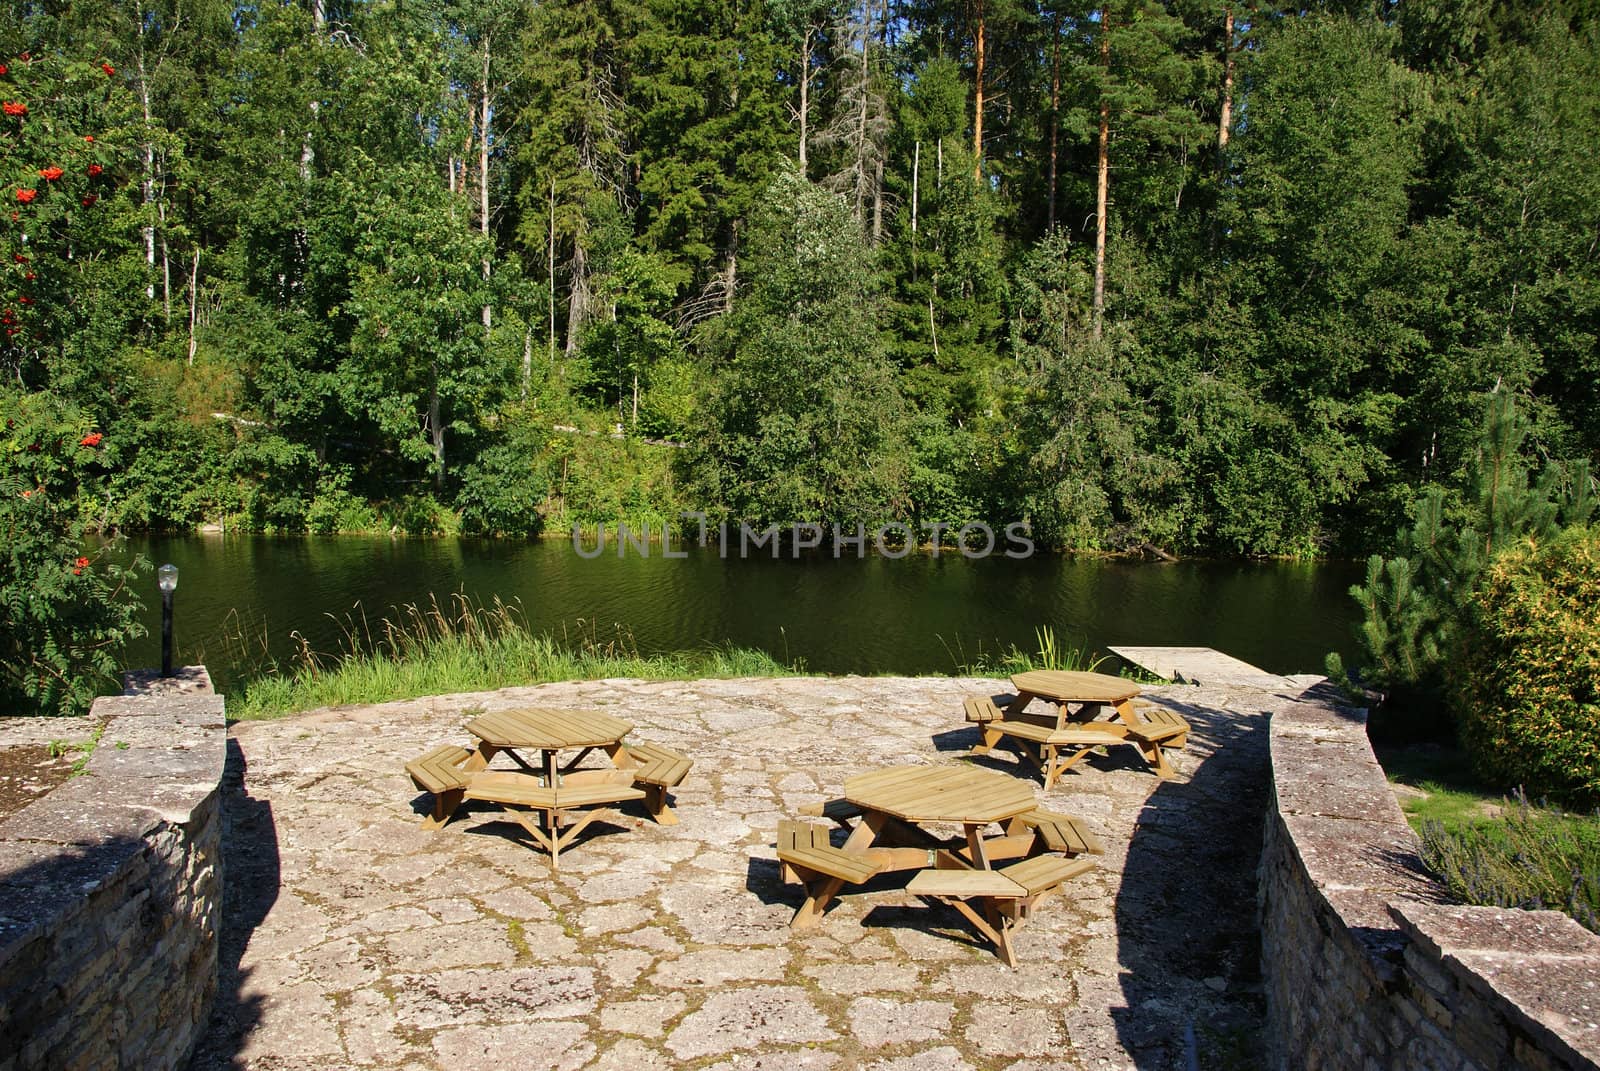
[{"x": 1206, "y": 276}]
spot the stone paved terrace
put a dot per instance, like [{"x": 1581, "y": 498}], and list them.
[{"x": 354, "y": 939}]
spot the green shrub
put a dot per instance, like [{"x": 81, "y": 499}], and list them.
[
  {"x": 1414, "y": 606},
  {"x": 501, "y": 492},
  {"x": 336, "y": 509},
  {"x": 1527, "y": 679},
  {"x": 65, "y": 608},
  {"x": 419, "y": 514}
]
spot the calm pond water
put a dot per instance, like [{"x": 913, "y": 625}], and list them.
[{"x": 914, "y": 615}]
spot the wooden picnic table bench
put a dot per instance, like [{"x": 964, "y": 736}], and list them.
[
  {"x": 997, "y": 902},
  {"x": 552, "y": 790},
  {"x": 890, "y": 809},
  {"x": 573, "y": 806},
  {"x": 1055, "y": 742}
]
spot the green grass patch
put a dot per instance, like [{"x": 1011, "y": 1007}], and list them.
[
  {"x": 466, "y": 647},
  {"x": 462, "y": 646},
  {"x": 1493, "y": 850},
  {"x": 1452, "y": 793}
]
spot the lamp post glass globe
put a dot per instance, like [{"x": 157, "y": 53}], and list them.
[{"x": 167, "y": 581}]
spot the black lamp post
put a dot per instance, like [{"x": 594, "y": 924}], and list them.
[{"x": 167, "y": 580}]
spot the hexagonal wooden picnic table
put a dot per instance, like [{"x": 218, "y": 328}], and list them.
[
  {"x": 896, "y": 802},
  {"x": 956, "y": 795},
  {"x": 1040, "y": 737},
  {"x": 1061, "y": 687},
  {"x": 550, "y": 731}
]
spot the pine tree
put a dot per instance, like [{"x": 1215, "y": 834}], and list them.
[{"x": 1412, "y": 604}]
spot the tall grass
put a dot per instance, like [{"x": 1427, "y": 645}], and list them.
[
  {"x": 1528, "y": 856},
  {"x": 1049, "y": 654},
  {"x": 464, "y": 646}
]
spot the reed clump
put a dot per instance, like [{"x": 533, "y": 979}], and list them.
[
  {"x": 463, "y": 645},
  {"x": 1049, "y": 653}
]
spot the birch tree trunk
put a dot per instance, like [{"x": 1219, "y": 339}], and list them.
[
  {"x": 977, "y": 88},
  {"x": 147, "y": 183},
  {"x": 483, "y": 179},
  {"x": 319, "y": 20},
  {"x": 1226, "y": 120},
  {"x": 1102, "y": 174},
  {"x": 436, "y": 430},
  {"x": 194, "y": 303},
  {"x": 805, "y": 94},
  {"x": 1055, "y": 115}
]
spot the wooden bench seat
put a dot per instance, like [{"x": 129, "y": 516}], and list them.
[
  {"x": 841, "y": 811},
  {"x": 1060, "y": 833},
  {"x": 657, "y": 768},
  {"x": 1160, "y": 725},
  {"x": 440, "y": 772},
  {"x": 523, "y": 790},
  {"x": 996, "y": 902},
  {"x": 964, "y": 884},
  {"x": 793, "y": 834},
  {"x": 659, "y": 765},
  {"x": 440, "y": 769},
  {"x": 1045, "y": 873},
  {"x": 981, "y": 708},
  {"x": 520, "y": 792},
  {"x": 820, "y": 869},
  {"x": 985, "y": 898},
  {"x": 1076, "y": 735},
  {"x": 834, "y": 862}
]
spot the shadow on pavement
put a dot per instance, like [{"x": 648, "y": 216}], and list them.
[
  {"x": 1188, "y": 942},
  {"x": 251, "y": 880}
]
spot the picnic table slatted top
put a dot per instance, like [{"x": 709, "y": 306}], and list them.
[
  {"x": 1077, "y": 687},
  {"x": 940, "y": 794},
  {"x": 548, "y": 728}
]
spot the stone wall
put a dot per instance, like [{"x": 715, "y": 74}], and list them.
[
  {"x": 110, "y": 895},
  {"x": 1367, "y": 965}
]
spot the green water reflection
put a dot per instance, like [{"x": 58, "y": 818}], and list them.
[{"x": 918, "y": 614}]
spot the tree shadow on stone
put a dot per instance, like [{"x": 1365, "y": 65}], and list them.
[
  {"x": 1188, "y": 941},
  {"x": 40, "y": 939},
  {"x": 251, "y": 880}
]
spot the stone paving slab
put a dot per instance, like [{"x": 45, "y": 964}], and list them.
[{"x": 354, "y": 939}]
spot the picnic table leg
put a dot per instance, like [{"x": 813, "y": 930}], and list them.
[
  {"x": 534, "y": 830},
  {"x": 1052, "y": 765},
  {"x": 818, "y": 896},
  {"x": 989, "y": 924},
  {"x": 655, "y": 801},
  {"x": 821, "y": 891},
  {"x": 866, "y": 831},
  {"x": 991, "y": 737},
  {"x": 1158, "y": 758},
  {"x": 980, "y": 857},
  {"x": 1019, "y": 704},
  {"x": 444, "y": 805}
]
